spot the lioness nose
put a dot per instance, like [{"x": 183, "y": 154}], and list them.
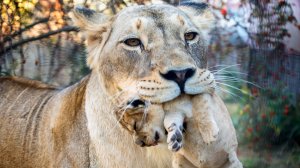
[{"x": 179, "y": 76}]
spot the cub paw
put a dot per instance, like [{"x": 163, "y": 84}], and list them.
[
  {"x": 210, "y": 134},
  {"x": 175, "y": 137},
  {"x": 234, "y": 161}
]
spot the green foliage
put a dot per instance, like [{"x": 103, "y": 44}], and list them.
[
  {"x": 270, "y": 118},
  {"x": 278, "y": 158}
]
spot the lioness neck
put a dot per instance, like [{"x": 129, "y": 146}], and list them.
[{"x": 110, "y": 145}]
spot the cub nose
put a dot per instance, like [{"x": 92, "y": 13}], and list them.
[
  {"x": 140, "y": 142},
  {"x": 179, "y": 76}
]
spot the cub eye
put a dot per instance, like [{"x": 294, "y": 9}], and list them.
[
  {"x": 190, "y": 36},
  {"x": 135, "y": 126},
  {"x": 133, "y": 42},
  {"x": 136, "y": 103}
]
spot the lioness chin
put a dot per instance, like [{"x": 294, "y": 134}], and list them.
[{"x": 154, "y": 52}]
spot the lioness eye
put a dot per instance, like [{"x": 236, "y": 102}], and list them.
[
  {"x": 133, "y": 42},
  {"x": 190, "y": 36}
]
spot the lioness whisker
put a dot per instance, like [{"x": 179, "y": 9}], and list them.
[
  {"x": 145, "y": 114},
  {"x": 229, "y": 72},
  {"x": 233, "y": 87},
  {"x": 234, "y": 79},
  {"x": 117, "y": 95},
  {"x": 147, "y": 105},
  {"x": 219, "y": 70},
  {"x": 120, "y": 92},
  {"x": 121, "y": 117},
  {"x": 220, "y": 65},
  {"x": 224, "y": 65},
  {"x": 119, "y": 107},
  {"x": 226, "y": 91}
]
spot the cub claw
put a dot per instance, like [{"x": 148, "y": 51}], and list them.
[{"x": 174, "y": 146}]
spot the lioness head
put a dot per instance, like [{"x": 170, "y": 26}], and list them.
[{"x": 152, "y": 52}]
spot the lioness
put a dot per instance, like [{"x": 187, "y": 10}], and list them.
[{"x": 143, "y": 49}]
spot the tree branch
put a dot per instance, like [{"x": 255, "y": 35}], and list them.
[
  {"x": 50, "y": 33},
  {"x": 24, "y": 29}
]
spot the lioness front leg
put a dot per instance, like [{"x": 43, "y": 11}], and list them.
[{"x": 203, "y": 109}]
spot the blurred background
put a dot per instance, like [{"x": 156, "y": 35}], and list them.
[{"x": 255, "y": 56}]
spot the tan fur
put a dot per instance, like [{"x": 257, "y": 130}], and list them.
[
  {"x": 138, "y": 24},
  {"x": 184, "y": 107},
  {"x": 144, "y": 124},
  {"x": 220, "y": 153},
  {"x": 41, "y": 126},
  {"x": 209, "y": 141},
  {"x": 38, "y": 122}
]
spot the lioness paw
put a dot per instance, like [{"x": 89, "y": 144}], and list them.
[{"x": 175, "y": 137}]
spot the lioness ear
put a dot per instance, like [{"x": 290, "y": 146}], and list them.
[
  {"x": 87, "y": 19},
  {"x": 201, "y": 15},
  {"x": 96, "y": 28}
]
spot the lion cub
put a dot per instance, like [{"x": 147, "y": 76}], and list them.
[
  {"x": 204, "y": 115},
  {"x": 144, "y": 121}
]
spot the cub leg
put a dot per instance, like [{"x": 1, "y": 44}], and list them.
[
  {"x": 173, "y": 123},
  {"x": 175, "y": 113},
  {"x": 203, "y": 109},
  {"x": 179, "y": 161},
  {"x": 233, "y": 160}
]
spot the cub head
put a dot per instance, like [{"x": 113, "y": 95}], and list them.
[
  {"x": 153, "y": 53},
  {"x": 144, "y": 122}
]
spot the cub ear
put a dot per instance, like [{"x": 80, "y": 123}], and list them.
[
  {"x": 96, "y": 27},
  {"x": 200, "y": 14}
]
